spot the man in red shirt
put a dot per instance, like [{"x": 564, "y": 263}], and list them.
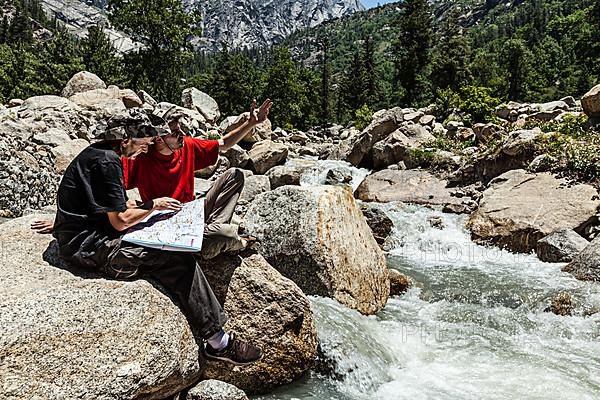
[{"x": 168, "y": 169}]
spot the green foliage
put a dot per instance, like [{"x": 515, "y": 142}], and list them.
[
  {"x": 477, "y": 102},
  {"x": 100, "y": 57},
  {"x": 362, "y": 117},
  {"x": 326, "y": 113},
  {"x": 158, "y": 24},
  {"x": 449, "y": 63},
  {"x": 284, "y": 87},
  {"x": 234, "y": 83},
  {"x": 453, "y": 144},
  {"x": 162, "y": 27},
  {"x": 515, "y": 60}
]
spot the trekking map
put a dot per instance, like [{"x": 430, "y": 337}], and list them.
[{"x": 172, "y": 231}]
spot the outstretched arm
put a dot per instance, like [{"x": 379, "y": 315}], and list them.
[
  {"x": 128, "y": 218},
  {"x": 256, "y": 117}
]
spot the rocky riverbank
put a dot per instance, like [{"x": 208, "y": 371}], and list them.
[{"x": 519, "y": 191}]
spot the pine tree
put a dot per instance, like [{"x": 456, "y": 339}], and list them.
[
  {"x": 595, "y": 42},
  {"x": 449, "y": 63},
  {"x": 235, "y": 82},
  {"x": 370, "y": 75},
  {"x": 515, "y": 62},
  {"x": 325, "y": 114},
  {"x": 309, "y": 99},
  {"x": 354, "y": 85},
  {"x": 283, "y": 87},
  {"x": 412, "y": 50},
  {"x": 100, "y": 56},
  {"x": 60, "y": 60},
  {"x": 4, "y": 29},
  {"x": 19, "y": 30}
]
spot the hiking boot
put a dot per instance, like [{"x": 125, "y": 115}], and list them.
[{"x": 237, "y": 352}]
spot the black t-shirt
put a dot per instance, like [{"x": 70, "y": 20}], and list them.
[{"x": 91, "y": 187}]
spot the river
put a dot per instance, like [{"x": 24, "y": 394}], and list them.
[{"x": 472, "y": 327}]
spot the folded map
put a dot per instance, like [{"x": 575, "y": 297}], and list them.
[{"x": 172, "y": 231}]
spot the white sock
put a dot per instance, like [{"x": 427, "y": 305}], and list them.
[{"x": 219, "y": 340}]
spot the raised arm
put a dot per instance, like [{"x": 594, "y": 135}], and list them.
[{"x": 256, "y": 117}]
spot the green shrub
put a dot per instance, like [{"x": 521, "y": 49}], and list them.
[
  {"x": 478, "y": 102},
  {"x": 362, "y": 117}
]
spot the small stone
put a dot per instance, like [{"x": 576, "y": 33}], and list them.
[
  {"x": 562, "y": 304},
  {"x": 436, "y": 222},
  {"x": 212, "y": 389},
  {"x": 399, "y": 283}
]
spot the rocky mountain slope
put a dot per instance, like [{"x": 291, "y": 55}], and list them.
[{"x": 240, "y": 24}]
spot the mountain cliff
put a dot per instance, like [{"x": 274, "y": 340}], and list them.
[{"x": 238, "y": 23}]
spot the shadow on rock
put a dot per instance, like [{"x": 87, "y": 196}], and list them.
[{"x": 51, "y": 256}]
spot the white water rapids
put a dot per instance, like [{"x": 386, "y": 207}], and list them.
[{"x": 472, "y": 327}]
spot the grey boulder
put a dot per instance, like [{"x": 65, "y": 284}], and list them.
[
  {"x": 267, "y": 154},
  {"x": 194, "y": 99},
  {"x": 586, "y": 265},
  {"x": 519, "y": 208},
  {"x": 272, "y": 312},
  {"x": 591, "y": 102},
  {"x": 82, "y": 82},
  {"x": 408, "y": 186},
  {"x": 560, "y": 246},
  {"x": 318, "y": 237},
  {"x": 66, "y": 337}
]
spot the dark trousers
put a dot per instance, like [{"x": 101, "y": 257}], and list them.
[{"x": 177, "y": 272}]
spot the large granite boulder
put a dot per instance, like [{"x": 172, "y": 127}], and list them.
[
  {"x": 130, "y": 98},
  {"x": 272, "y": 312},
  {"x": 82, "y": 82},
  {"x": 520, "y": 141},
  {"x": 212, "y": 389},
  {"x": 318, "y": 237},
  {"x": 291, "y": 173},
  {"x": 194, "y": 99},
  {"x": 192, "y": 120},
  {"x": 396, "y": 147},
  {"x": 560, "y": 246},
  {"x": 52, "y": 137},
  {"x": 586, "y": 265},
  {"x": 282, "y": 175},
  {"x": 40, "y": 113},
  {"x": 408, "y": 186},
  {"x": 519, "y": 208},
  {"x": 64, "y": 336},
  {"x": 267, "y": 154},
  {"x": 107, "y": 101},
  {"x": 28, "y": 177},
  {"x": 591, "y": 102},
  {"x": 384, "y": 122}
]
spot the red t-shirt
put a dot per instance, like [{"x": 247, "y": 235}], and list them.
[{"x": 157, "y": 175}]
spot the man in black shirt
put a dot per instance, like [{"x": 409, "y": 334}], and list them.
[{"x": 92, "y": 215}]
